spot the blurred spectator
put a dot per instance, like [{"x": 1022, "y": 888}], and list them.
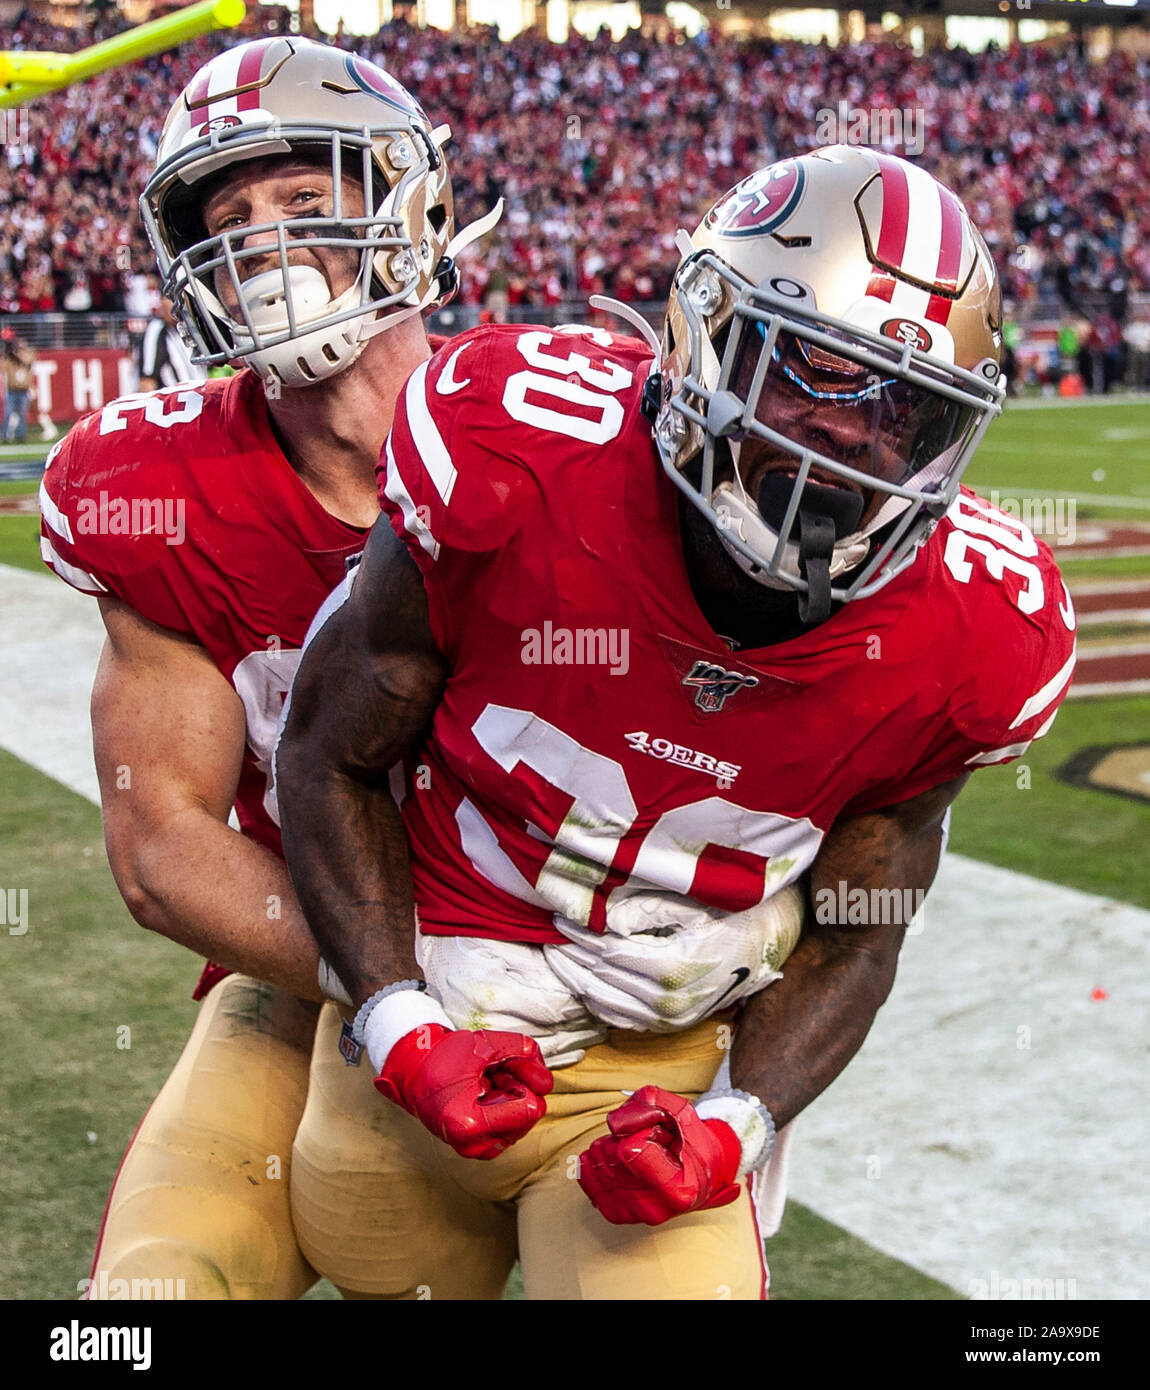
[
  {"x": 19, "y": 359},
  {"x": 603, "y": 149},
  {"x": 1137, "y": 337},
  {"x": 1011, "y": 338},
  {"x": 1069, "y": 346}
]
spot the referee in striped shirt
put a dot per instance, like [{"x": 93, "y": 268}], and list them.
[{"x": 162, "y": 358}]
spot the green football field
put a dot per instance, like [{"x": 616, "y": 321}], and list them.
[{"x": 72, "y": 1096}]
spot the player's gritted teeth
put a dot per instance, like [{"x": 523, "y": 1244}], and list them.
[{"x": 278, "y": 189}]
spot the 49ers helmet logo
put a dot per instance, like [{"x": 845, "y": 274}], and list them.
[
  {"x": 219, "y": 123},
  {"x": 759, "y": 203},
  {"x": 907, "y": 331}
]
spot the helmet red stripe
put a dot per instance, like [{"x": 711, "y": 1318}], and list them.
[
  {"x": 950, "y": 250},
  {"x": 880, "y": 285},
  {"x": 949, "y": 255},
  {"x": 197, "y": 96},
  {"x": 249, "y": 71},
  {"x": 895, "y": 211}
]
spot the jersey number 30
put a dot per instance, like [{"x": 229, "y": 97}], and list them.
[{"x": 589, "y": 408}]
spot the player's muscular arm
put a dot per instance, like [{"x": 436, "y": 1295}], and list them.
[
  {"x": 363, "y": 696},
  {"x": 169, "y": 741},
  {"x": 794, "y": 1038}
]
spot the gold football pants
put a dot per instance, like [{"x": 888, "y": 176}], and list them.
[
  {"x": 202, "y": 1195},
  {"x": 386, "y": 1210}
]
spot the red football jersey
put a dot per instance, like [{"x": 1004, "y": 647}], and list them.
[
  {"x": 182, "y": 504},
  {"x": 596, "y": 738}
]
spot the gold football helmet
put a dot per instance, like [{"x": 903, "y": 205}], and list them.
[
  {"x": 829, "y": 362},
  {"x": 289, "y": 95}
]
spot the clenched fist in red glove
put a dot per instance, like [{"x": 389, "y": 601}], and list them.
[
  {"x": 660, "y": 1160},
  {"x": 477, "y": 1091}
]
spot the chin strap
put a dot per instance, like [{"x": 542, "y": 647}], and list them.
[{"x": 816, "y": 546}]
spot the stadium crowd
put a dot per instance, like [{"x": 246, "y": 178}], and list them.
[{"x": 602, "y": 149}]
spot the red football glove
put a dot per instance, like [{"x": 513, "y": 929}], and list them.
[
  {"x": 660, "y": 1160},
  {"x": 477, "y": 1091}
]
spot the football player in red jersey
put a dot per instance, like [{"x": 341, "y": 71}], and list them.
[
  {"x": 669, "y": 643},
  {"x": 301, "y": 212}
]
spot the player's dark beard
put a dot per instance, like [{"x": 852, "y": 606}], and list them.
[{"x": 734, "y": 604}]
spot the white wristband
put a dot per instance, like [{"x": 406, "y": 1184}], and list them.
[
  {"x": 395, "y": 1016},
  {"x": 331, "y": 986},
  {"x": 748, "y": 1117}
]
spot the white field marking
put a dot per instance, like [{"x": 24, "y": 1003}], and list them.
[
  {"x": 1122, "y": 552},
  {"x": 1107, "y": 688},
  {"x": 1076, "y": 403},
  {"x": 1114, "y": 615},
  {"x": 1121, "y": 434},
  {"x": 1108, "y": 649},
  {"x": 51, "y": 638},
  {"x": 1086, "y": 587},
  {"x": 1101, "y": 499},
  {"x": 992, "y": 1156}
]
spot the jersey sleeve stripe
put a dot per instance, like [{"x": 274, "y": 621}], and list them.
[
  {"x": 426, "y": 437},
  {"x": 78, "y": 578},
  {"x": 396, "y": 491},
  {"x": 54, "y": 517},
  {"x": 1050, "y": 691},
  {"x": 999, "y": 755},
  {"x": 1016, "y": 750}
]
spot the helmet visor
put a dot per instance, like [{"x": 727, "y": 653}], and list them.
[{"x": 874, "y": 427}]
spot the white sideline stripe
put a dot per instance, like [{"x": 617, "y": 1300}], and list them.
[
  {"x": 995, "y": 1157},
  {"x": 428, "y": 440},
  {"x": 1103, "y": 499},
  {"x": 78, "y": 578},
  {"x": 1110, "y": 586},
  {"x": 1121, "y": 552},
  {"x": 1078, "y": 402},
  {"x": 1088, "y": 691},
  {"x": 51, "y": 637},
  {"x": 1088, "y": 653},
  {"x": 991, "y": 1158},
  {"x": 1114, "y": 615},
  {"x": 54, "y": 516},
  {"x": 1041, "y": 698}
]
